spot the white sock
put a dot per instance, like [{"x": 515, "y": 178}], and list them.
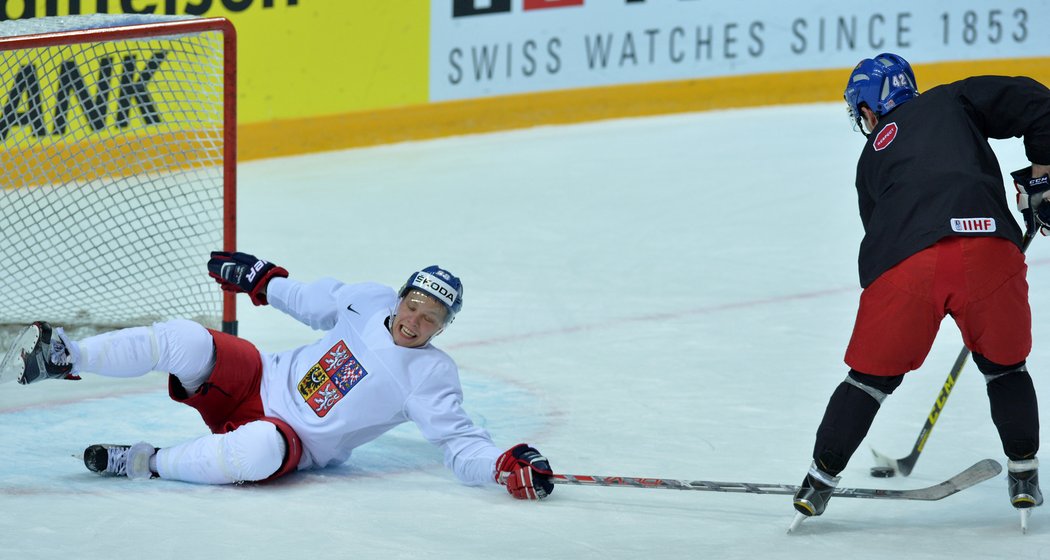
[
  {"x": 252, "y": 452},
  {"x": 182, "y": 348},
  {"x": 125, "y": 353}
]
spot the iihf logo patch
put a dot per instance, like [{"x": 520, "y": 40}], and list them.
[
  {"x": 973, "y": 225},
  {"x": 885, "y": 137}
]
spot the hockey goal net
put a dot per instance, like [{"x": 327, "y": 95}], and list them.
[{"x": 117, "y": 170}]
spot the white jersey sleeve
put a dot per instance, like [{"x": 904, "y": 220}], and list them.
[
  {"x": 312, "y": 304},
  {"x": 436, "y": 408}
]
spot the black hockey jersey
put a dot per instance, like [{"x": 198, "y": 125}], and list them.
[{"x": 927, "y": 171}]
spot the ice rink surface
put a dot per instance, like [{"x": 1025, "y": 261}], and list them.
[{"x": 661, "y": 297}]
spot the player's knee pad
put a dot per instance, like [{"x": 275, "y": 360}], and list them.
[
  {"x": 993, "y": 371},
  {"x": 877, "y": 386},
  {"x": 848, "y": 416},
  {"x": 293, "y": 447},
  {"x": 186, "y": 350},
  {"x": 253, "y": 451}
]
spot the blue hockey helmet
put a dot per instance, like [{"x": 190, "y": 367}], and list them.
[
  {"x": 882, "y": 84},
  {"x": 439, "y": 284}
]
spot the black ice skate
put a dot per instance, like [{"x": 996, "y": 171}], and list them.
[
  {"x": 1024, "y": 488},
  {"x": 813, "y": 496},
  {"x": 131, "y": 461},
  {"x": 37, "y": 354}
]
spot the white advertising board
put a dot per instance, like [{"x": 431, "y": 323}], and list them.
[{"x": 481, "y": 48}]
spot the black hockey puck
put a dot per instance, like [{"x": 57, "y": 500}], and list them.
[{"x": 883, "y": 472}]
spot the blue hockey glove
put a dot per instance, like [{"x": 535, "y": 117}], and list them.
[{"x": 243, "y": 273}]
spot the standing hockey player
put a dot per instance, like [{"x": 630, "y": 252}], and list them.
[
  {"x": 271, "y": 414},
  {"x": 939, "y": 240}
]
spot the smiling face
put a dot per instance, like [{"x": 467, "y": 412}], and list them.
[{"x": 419, "y": 318}]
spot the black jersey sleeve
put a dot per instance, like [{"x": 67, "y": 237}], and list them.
[{"x": 1005, "y": 107}]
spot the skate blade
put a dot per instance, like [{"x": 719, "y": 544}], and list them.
[
  {"x": 1025, "y": 514},
  {"x": 13, "y": 364},
  {"x": 799, "y": 518}
]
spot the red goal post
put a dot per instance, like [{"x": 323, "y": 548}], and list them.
[{"x": 117, "y": 169}]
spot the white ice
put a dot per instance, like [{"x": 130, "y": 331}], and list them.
[{"x": 661, "y": 297}]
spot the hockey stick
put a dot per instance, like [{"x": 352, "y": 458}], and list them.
[
  {"x": 905, "y": 465},
  {"x": 978, "y": 472},
  {"x": 888, "y": 467}
]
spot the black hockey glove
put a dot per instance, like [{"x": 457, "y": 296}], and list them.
[
  {"x": 243, "y": 273},
  {"x": 1030, "y": 199},
  {"x": 525, "y": 473}
]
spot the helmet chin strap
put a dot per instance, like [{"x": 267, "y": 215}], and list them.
[
  {"x": 867, "y": 127},
  {"x": 393, "y": 316}
]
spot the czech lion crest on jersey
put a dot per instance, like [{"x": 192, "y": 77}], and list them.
[{"x": 330, "y": 379}]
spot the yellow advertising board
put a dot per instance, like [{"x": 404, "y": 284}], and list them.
[
  {"x": 328, "y": 74},
  {"x": 305, "y": 67}
]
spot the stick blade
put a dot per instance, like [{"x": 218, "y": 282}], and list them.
[
  {"x": 883, "y": 461},
  {"x": 979, "y": 472},
  {"x": 902, "y": 467},
  {"x": 976, "y": 473}
]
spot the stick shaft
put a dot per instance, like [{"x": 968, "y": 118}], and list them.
[
  {"x": 980, "y": 471},
  {"x": 671, "y": 484}
]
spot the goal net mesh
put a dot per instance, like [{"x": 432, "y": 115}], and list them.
[{"x": 112, "y": 172}]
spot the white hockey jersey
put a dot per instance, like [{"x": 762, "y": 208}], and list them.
[{"x": 354, "y": 384}]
